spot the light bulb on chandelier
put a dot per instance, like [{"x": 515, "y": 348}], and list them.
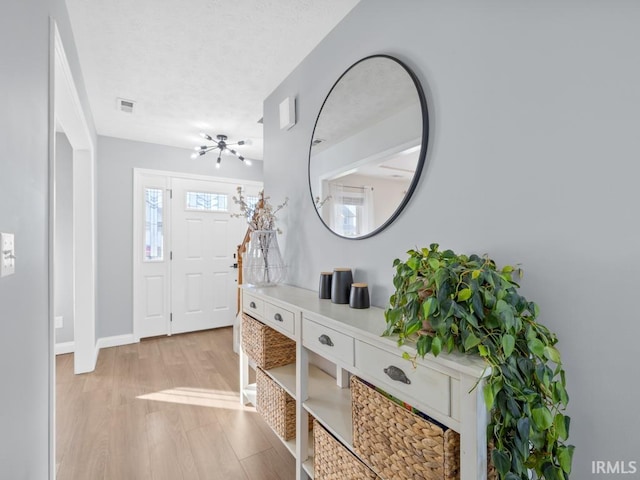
[{"x": 222, "y": 146}]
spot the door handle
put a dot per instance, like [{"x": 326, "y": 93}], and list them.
[
  {"x": 235, "y": 265},
  {"x": 278, "y": 317}
]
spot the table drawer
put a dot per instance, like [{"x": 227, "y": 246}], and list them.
[
  {"x": 279, "y": 318},
  {"x": 331, "y": 344},
  {"x": 417, "y": 386},
  {"x": 252, "y": 305}
]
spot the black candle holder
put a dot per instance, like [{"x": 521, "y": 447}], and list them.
[
  {"x": 324, "y": 290},
  {"x": 359, "y": 296},
  {"x": 341, "y": 281}
]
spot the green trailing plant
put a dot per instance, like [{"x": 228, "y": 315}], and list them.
[{"x": 449, "y": 302}]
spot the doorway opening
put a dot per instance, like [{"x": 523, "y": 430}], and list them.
[{"x": 67, "y": 116}]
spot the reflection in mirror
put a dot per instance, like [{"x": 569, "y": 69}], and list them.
[{"x": 368, "y": 147}]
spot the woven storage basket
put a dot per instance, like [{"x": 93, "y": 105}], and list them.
[
  {"x": 332, "y": 460},
  {"x": 265, "y": 346},
  {"x": 275, "y": 406},
  {"x": 400, "y": 445}
]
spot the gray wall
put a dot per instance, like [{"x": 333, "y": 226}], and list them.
[
  {"x": 116, "y": 160},
  {"x": 533, "y": 159},
  {"x": 63, "y": 253},
  {"x": 24, "y": 205}
]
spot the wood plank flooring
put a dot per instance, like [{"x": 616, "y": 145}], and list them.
[{"x": 165, "y": 409}]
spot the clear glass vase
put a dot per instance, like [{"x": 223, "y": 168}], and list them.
[{"x": 262, "y": 263}]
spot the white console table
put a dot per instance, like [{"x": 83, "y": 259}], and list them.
[{"x": 442, "y": 386}]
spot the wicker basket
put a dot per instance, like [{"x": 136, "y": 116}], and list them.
[
  {"x": 332, "y": 460},
  {"x": 265, "y": 346},
  {"x": 276, "y": 406},
  {"x": 400, "y": 445}
]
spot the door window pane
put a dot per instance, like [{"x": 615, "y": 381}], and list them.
[
  {"x": 211, "y": 202},
  {"x": 153, "y": 234}
]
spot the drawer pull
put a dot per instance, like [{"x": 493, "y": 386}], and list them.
[
  {"x": 277, "y": 317},
  {"x": 394, "y": 373},
  {"x": 252, "y": 304},
  {"x": 325, "y": 340}
]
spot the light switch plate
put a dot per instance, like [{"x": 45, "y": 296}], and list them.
[{"x": 7, "y": 254}]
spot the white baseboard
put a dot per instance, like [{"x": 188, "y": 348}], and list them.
[
  {"x": 115, "y": 341},
  {"x": 105, "y": 342},
  {"x": 65, "y": 347}
]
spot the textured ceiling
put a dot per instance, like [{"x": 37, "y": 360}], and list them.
[{"x": 193, "y": 65}]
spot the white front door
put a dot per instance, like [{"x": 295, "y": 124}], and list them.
[
  {"x": 185, "y": 241},
  {"x": 204, "y": 241}
]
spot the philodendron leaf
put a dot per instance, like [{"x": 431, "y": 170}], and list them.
[
  {"x": 436, "y": 346},
  {"x": 560, "y": 394},
  {"x": 471, "y": 341},
  {"x": 439, "y": 278},
  {"x": 412, "y": 328},
  {"x": 561, "y": 424},
  {"x": 451, "y": 344},
  {"x": 565, "y": 457},
  {"x": 429, "y": 307},
  {"x": 542, "y": 418},
  {"x": 471, "y": 319},
  {"x": 475, "y": 274},
  {"x": 524, "y": 426},
  {"x": 501, "y": 461},
  {"x": 530, "y": 333},
  {"x": 551, "y": 472},
  {"x": 464, "y": 294},
  {"x": 434, "y": 264},
  {"x": 508, "y": 344},
  {"x": 552, "y": 353},
  {"x": 536, "y": 347},
  {"x": 413, "y": 263},
  {"x": 489, "y": 396},
  {"x": 423, "y": 345},
  {"x": 478, "y": 307}
]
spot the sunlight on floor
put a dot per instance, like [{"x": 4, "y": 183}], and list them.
[{"x": 201, "y": 397}]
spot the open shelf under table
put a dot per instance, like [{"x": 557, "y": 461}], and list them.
[
  {"x": 330, "y": 405},
  {"x": 285, "y": 376}
]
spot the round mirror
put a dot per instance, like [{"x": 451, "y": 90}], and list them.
[{"x": 368, "y": 147}]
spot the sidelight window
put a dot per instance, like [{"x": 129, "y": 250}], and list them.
[{"x": 154, "y": 228}]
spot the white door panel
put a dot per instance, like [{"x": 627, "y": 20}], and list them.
[
  {"x": 203, "y": 244},
  {"x": 154, "y": 292},
  {"x": 151, "y": 301}
]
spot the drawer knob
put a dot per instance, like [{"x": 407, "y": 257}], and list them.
[
  {"x": 252, "y": 304},
  {"x": 325, "y": 340},
  {"x": 394, "y": 373},
  {"x": 277, "y": 317}
]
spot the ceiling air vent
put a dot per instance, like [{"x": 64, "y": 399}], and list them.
[{"x": 125, "y": 106}]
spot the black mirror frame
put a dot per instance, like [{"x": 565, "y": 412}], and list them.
[{"x": 421, "y": 158}]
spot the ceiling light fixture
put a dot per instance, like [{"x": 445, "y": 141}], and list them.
[{"x": 222, "y": 146}]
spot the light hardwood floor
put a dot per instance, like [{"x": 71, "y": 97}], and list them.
[{"x": 166, "y": 408}]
